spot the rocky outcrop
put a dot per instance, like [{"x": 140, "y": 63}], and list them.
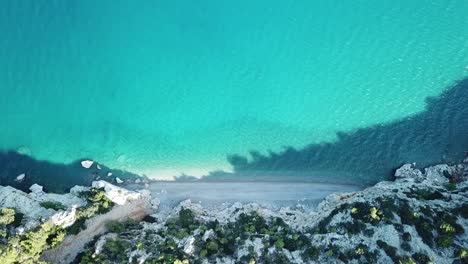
[
  {"x": 129, "y": 205},
  {"x": 420, "y": 217},
  {"x": 29, "y": 204},
  {"x": 62, "y": 211},
  {"x": 116, "y": 194}
]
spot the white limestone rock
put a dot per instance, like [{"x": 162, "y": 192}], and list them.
[
  {"x": 87, "y": 164},
  {"x": 435, "y": 174},
  {"x": 22, "y": 202},
  {"x": 34, "y": 213},
  {"x": 188, "y": 245},
  {"x": 116, "y": 194},
  {"x": 65, "y": 218},
  {"x": 118, "y": 180},
  {"x": 20, "y": 177},
  {"x": 408, "y": 171},
  {"x": 36, "y": 189},
  {"x": 140, "y": 255},
  {"x": 209, "y": 234},
  {"x": 77, "y": 189}
]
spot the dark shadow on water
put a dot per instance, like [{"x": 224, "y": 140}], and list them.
[
  {"x": 439, "y": 134},
  {"x": 368, "y": 155},
  {"x": 55, "y": 177}
]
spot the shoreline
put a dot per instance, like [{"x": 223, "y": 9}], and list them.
[{"x": 336, "y": 222}]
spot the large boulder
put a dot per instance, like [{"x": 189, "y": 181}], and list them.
[
  {"x": 408, "y": 171},
  {"x": 65, "y": 218}
]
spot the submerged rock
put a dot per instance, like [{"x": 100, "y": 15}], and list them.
[{"x": 20, "y": 177}]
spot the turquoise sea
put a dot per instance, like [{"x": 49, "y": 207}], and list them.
[{"x": 173, "y": 87}]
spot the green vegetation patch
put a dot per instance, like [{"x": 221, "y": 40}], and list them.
[
  {"x": 120, "y": 227},
  {"x": 53, "y": 205},
  {"x": 27, "y": 248},
  {"x": 425, "y": 194},
  {"x": 113, "y": 251},
  {"x": 98, "y": 203}
]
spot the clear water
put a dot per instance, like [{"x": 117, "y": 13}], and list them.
[{"x": 169, "y": 87}]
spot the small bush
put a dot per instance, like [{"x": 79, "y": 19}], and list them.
[
  {"x": 76, "y": 227},
  {"x": 212, "y": 248},
  {"x": 7, "y": 216},
  {"x": 389, "y": 250},
  {"x": 463, "y": 211},
  {"x": 451, "y": 186},
  {"x": 462, "y": 253},
  {"x": 425, "y": 194},
  {"x": 421, "y": 258},
  {"x": 115, "y": 227},
  {"x": 279, "y": 243},
  {"x": 407, "y": 236},
  {"x": 444, "y": 241},
  {"x": 407, "y": 260},
  {"x": 311, "y": 253},
  {"x": 53, "y": 205},
  {"x": 406, "y": 246}
]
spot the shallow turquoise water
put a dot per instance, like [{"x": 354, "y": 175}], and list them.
[{"x": 170, "y": 87}]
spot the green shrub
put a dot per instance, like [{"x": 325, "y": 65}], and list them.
[
  {"x": 77, "y": 226},
  {"x": 406, "y": 246},
  {"x": 113, "y": 251},
  {"x": 29, "y": 247},
  {"x": 212, "y": 247},
  {"x": 462, "y": 253},
  {"x": 421, "y": 258},
  {"x": 366, "y": 213},
  {"x": 451, "y": 186},
  {"x": 311, "y": 253},
  {"x": 424, "y": 229},
  {"x": 427, "y": 195},
  {"x": 389, "y": 250},
  {"x": 407, "y": 260},
  {"x": 279, "y": 243},
  {"x": 7, "y": 216},
  {"x": 463, "y": 210},
  {"x": 407, "y": 236},
  {"x": 53, "y": 205},
  {"x": 444, "y": 241},
  {"x": 186, "y": 217},
  {"x": 115, "y": 227},
  {"x": 18, "y": 219},
  {"x": 98, "y": 203}
]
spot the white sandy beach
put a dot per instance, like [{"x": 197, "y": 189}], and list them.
[{"x": 269, "y": 194}]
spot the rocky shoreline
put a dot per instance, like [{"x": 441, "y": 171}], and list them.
[{"x": 420, "y": 217}]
